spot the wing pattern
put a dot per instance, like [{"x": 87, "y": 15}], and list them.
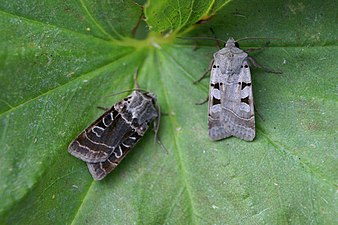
[{"x": 231, "y": 107}]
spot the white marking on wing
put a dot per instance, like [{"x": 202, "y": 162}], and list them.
[
  {"x": 95, "y": 152},
  {"x": 216, "y": 108},
  {"x": 245, "y": 92},
  {"x": 94, "y": 142},
  {"x": 233, "y": 113},
  {"x": 114, "y": 164},
  {"x": 120, "y": 151},
  {"x": 216, "y": 93},
  {"x": 125, "y": 119},
  {"x": 127, "y": 146},
  {"x": 104, "y": 122},
  {"x": 244, "y": 107},
  {"x": 95, "y": 132},
  {"x": 106, "y": 117},
  {"x": 102, "y": 168}
]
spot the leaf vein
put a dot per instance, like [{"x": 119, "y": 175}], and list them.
[{"x": 96, "y": 23}]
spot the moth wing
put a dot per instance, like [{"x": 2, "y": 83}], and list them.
[
  {"x": 101, "y": 169},
  {"x": 215, "y": 123},
  {"x": 98, "y": 141},
  {"x": 237, "y": 106}
]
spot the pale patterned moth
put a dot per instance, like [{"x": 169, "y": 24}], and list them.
[
  {"x": 108, "y": 140},
  {"x": 231, "y": 106}
]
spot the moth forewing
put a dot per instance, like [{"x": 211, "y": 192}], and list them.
[
  {"x": 93, "y": 144},
  {"x": 101, "y": 169},
  {"x": 231, "y": 109},
  {"x": 107, "y": 141}
]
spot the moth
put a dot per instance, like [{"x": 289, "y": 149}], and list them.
[
  {"x": 109, "y": 139},
  {"x": 231, "y": 106}
]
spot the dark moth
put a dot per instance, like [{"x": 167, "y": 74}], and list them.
[{"x": 108, "y": 140}]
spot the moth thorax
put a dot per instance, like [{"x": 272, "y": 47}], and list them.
[{"x": 145, "y": 112}]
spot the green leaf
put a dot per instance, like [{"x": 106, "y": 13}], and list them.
[
  {"x": 60, "y": 59},
  {"x": 167, "y": 16}
]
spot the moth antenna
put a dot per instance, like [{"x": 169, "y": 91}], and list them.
[
  {"x": 213, "y": 33},
  {"x": 160, "y": 143},
  {"x": 202, "y": 38},
  {"x": 156, "y": 127},
  {"x": 128, "y": 90},
  {"x": 217, "y": 39},
  {"x": 259, "y": 115},
  {"x": 250, "y": 38},
  {"x": 137, "y": 86}
]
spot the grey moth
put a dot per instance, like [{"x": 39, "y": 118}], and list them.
[{"x": 231, "y": 107}]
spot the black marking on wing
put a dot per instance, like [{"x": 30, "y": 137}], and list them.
[
  {"x": 216, "y": 85},
  {"x": 245, "y": 100},
  {"x": 115, "y": 113},
  {"x": 245, "y": 85},
  {"x": 216, "y": 101}
]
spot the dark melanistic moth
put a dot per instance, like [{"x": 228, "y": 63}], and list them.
[{"x": 108, "y": 140}]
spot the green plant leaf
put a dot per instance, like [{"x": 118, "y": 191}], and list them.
[
  {"x": 59, "y": 60},
  {"x": 175, "y": 16}
]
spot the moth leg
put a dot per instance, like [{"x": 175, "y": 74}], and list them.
[
  {"x": 205, "y": 73},
  {"x": 202, "y": 77},
  {"x": 102, "y": 108},
  {"x": 257, "y": 112},
  {"x": 137, "y": 86},
  {"x": 217, "y": 41},
  {"x": 256, "y": 64},
  {"x": 195, "y": 46},
  {"x": 156, "y": 127},
  {"x": 161, "y": 144},
  {"x": 201, "y": 103},
  {"x": 258, "y": 49}
]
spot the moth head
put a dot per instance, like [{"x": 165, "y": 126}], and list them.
[{"x": 231, "y": 43}]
